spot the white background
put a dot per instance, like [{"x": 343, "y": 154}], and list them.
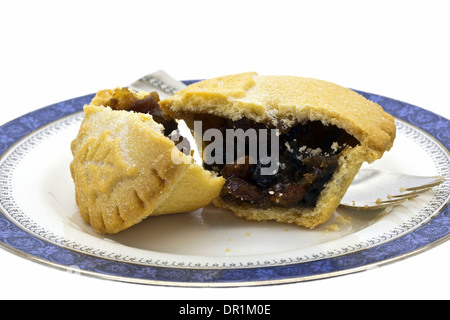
[{"x": 55, "y": 50}]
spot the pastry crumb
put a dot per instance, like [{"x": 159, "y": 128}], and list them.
[
  {"x": 332, "y": 227},
  {"x": 344, "y": 219},
  {"x": 341, "y": 220}
]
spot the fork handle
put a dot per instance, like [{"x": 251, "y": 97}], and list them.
[{"x": 159, "y": 81}]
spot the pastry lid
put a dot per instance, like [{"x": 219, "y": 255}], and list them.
[{"x": 284, "y": 101}]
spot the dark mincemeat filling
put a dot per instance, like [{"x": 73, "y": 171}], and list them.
[
  {"x": 308, "y": 156},
  {"x": 126, "y": 101}
]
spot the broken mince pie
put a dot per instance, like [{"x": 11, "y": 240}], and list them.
[
  {"x": 317, "y": 133},
  {"x": 126, "y": 168}
]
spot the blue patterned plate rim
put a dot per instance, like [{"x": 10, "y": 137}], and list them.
[{"x": 18, "y": 241}]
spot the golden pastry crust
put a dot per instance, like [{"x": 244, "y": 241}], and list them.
[
  {"x": 125, "y": 170},
  {"x": 103, "y": 97},
  {"x": 283, "y": 102}
]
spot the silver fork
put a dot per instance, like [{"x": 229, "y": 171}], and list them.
[
  {"x": 372, "y": 189},
  {"x": 376, "y": 189}
]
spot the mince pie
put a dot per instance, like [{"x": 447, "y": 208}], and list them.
[
  {"x": 324, "y": 132},
  {"x": 126, "y": 167}
]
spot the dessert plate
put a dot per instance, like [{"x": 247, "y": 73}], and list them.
[{"x": 39, "y": 219}]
